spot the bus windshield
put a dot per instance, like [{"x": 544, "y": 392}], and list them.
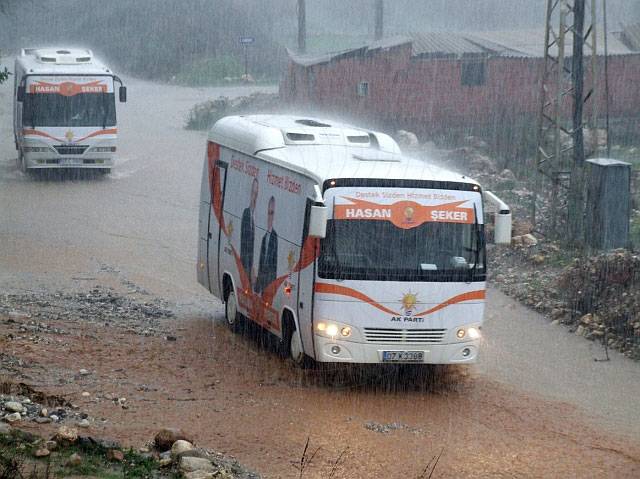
[
  {"x": 85, "y": 109},
  {"x": 378, "y": 250}
]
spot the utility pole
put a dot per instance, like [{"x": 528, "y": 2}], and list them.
[
  {"x": 561, "y": 122},
  {"x": 302, "y": 26},
  {"x": 576, "y": 192},
  {"x": 379, "y": 19}
]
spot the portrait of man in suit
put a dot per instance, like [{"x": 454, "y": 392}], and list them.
[
  {"x": 247, "y": 232},
  {"x": 268, "y": 264}
]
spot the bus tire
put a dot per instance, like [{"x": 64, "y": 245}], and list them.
[
  {"x": 291, "y": 344},
  {"x": 231, "y": 314},
  {"x": 21, "y": 164}
]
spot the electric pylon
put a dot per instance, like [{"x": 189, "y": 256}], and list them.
[{"x": 570, "y": 41}]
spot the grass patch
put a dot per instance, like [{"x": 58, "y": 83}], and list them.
[
  {"x": 630, "y": 154},
  {"x": 17, "y": 461},
  {"x": 210, "y": 71},
  {"x": 216, "y": 71},
  {"x": 561, "y": 258}
]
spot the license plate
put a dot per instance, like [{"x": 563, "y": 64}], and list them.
[
  {"x": 402, "y": 356},
  {"x": 68, "y": 161}
]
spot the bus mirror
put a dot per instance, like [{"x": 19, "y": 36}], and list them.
[
  {"x": 318, "y": 222},
  {"x": 502, "y": 231},
  {"x": 122, "y": 92},
  {"x": 20, "y": 96}
]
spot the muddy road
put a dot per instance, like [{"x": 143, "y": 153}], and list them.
[{"x": 537, "y": 405}]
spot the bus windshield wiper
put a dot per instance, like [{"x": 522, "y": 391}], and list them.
[
  {"x": 337, "y": 266},
  {"x": 106, "y": 110},
  {"x": 476, "y": 250}
]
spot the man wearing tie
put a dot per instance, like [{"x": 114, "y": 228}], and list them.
[
  {"x": 268, "y": 264},
  {"x": 247, "y": 232}
]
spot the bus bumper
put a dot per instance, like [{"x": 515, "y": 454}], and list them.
[
  {"x": 338, "y": 351},
  {"x": 44, "y": 160}
]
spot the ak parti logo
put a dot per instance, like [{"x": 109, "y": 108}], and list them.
[
  {"x": 408, "y": 214},
  {"x": 68, "y": 88},
  {"x": 409, "y": 302}
]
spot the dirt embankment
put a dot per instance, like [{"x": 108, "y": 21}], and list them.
[
  {"x": 595, "y": 294},
  {"x": 233, "y": 394}
]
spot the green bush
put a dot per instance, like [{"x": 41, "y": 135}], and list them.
[{"x": 203, "y": 115}]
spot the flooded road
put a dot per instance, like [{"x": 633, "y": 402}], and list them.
[
  {"x": 537, "y": 405},
  {"x": 142, "y": 218}
]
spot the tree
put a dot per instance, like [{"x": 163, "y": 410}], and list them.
[{"x": 5, "y": 6}]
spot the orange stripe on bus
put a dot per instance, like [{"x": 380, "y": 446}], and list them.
[
  {"x": 111, "y": 131},
  {"x": 344, "y": 291},
  {"x": 352, "y": 293},
  {"x": 470, "y": 296}
]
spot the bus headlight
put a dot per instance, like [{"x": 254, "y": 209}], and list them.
[
  {"x": 333, "y": 330},
  {"x": 471, "y": 333},
  {"x": 474, "y": 333}
]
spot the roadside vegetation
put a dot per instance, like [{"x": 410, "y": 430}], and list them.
[
  {"x": 155, "y": 40},
  {"x": 210, "y": 71},
  {"x": 22, "y": 456},
  {"x": 203, "y": 115},
  {"x": 593, "y": 293},
  {"x": 220, "y": 71}
]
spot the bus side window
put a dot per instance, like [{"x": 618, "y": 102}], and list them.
[{"x": 307, "y": 214}]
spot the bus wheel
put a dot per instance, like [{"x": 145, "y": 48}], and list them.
[
  {"x": 231, "y": 312},
  {"x": 21, "y": 164},
  {"x": 291, "y": 346}
]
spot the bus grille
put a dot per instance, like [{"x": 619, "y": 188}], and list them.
[
  {"x": 71, "y": 150},
  {"x": 418, "y": 336}
]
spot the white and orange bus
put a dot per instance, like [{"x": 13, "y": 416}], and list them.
[
  {"x": 64, "y": 110},
  {"x": 327, "y": 237}
]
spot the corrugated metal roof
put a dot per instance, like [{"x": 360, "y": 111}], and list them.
[
  {"x": 310, "y": 60},
  {"x": 530, "y": 42},
  {"x": 509, "y": 43},
  {"x": 444, "y": 44},
  {"x": 390, "y": 42}
]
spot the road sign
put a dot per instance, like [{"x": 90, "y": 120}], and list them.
[{"x": 247, "y": 40}]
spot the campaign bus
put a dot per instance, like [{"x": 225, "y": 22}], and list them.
[
  {"x": 326, "y": 236},
  {"x": 64, "y": 110}
]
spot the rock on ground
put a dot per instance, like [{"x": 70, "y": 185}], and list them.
[
  {"x": 190, "y": 464},
  {"x": 165, "y": 438},
  {"x": 66, "y": 435},
  {"x": 179, "y": 447}
]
